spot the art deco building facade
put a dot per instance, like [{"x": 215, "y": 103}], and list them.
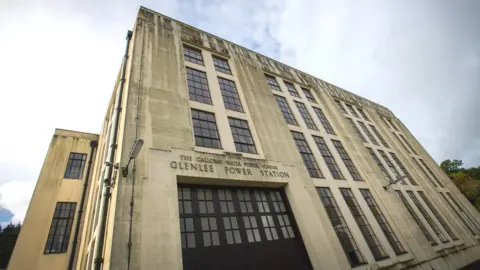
[{"x": 246, "y": 164}]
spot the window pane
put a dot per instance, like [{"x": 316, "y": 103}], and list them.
[
  {"x": 291, "y": 89},
  {"x": 272, "y": 82},
  {"x": 230, "y": 95},
  {"x": 328, "y": 158},
  {"x": 309, "y": 95},
  {"x": 285, "y": 109},
  {"x": 192, "y": 55},
  {"x": 241, "y": 136},
  {"x": 307, "y": 156},
  {"x": 306, "y": 115},
  {"x": 75, "y": 164},
  {"x": 59, "y": 233},
  {"x": 198, "y": 89},
  {"x": 323, "y": 119},
  {"x": 347, "y": 161},
  {"x": 205, "y": 129},
  {"x": 221, "y": 65}
]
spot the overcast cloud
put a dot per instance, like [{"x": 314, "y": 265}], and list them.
[{"x": 421, "y": 59}]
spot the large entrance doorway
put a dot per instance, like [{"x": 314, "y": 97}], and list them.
[{"x": 238, "y": 228}]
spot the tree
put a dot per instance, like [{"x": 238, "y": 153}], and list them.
[
  {"x": 8, "y": 237},
  {"x": 450, "y": 166}
]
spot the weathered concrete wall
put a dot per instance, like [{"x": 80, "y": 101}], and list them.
[{"x": 50, "y": 189}]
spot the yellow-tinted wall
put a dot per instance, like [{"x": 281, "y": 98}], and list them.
[{"x": 50, "y": 189}]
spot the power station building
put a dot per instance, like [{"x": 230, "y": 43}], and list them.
[{"x": 246, "y": 163}]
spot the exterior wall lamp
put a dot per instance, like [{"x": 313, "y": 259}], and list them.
[
  {"x": 133, "y": 154},
  {"x": 394, "y": 182}
]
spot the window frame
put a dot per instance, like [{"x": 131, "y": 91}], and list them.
[
  {"x": 309, "y": 95},
  {"x": 347, "y": 161},
  {"x": 62, "y": 218},
  {"x": 193, "y": 50},
  {"x": 307, "y": 118},
  {"x": 230, "y": 95},
  {"x": 244, "y": 126},
  {"x": 72, "y": 160},
  {"x": 286, "y": 111},
  {"x": 307, "y": 155},
  {"x": 221, "y": 65},
  {"x": 205, "y": 95},
  {"x": 208, "y": 121}
]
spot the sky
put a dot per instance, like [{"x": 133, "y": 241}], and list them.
[{"x": 59, "y": 61}]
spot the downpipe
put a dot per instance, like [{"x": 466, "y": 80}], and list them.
[
  {"x": 109, "y": 163},
  {"x": 93, "y": 146}
]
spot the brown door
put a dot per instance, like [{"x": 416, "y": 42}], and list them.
[{"x": 238, "y": 228}]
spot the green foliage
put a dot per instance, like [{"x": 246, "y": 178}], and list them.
[
  {"x": 8, "y": 237},
  {"x": 467, "y": 180}
]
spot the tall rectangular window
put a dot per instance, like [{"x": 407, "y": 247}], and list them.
[
  {"x": 198, "y": 89},
  {"x": 307, "y": 156},
  {"x": 205, "y": 129},
  {"x": 76, "y": 162},
  {"x": 402, "y": 143},
  {"x": 59, "y": 234},
  {"x": 286, "y": 111},
  {"x": 391, "y": 166},
  {"x": 309, "y": 95},
  {"x": 362, "y": 222},
  {"x": 367, "y": 131},
  {"x": 403, "y": 169},
  {"x": 467, "y": 215},
  {"x": 306, "y": 116},
  {"x": 438, "y": 216},
  {"x": 407, "y": 143},
  {"x": 187, "y": 229},
  {"x": 364, "y": 115},
  {"x": 291, "y": 89},
  {"x": 385, "y": 121},
  {"x": 416, "y": 219},
  {"x": 192, "y": 55},
  {"x": 431, "y": 173},
  {"x": 391, "y": 124},
  {"x": 347, "y": 161},
  {"x": 360, "y": 135},
  {"x": 221, "y": 65},
  {"x": 340, "y": 107},
  {"x": 427, "y": 217},
  {"x": 230, "y": 95},
  {"x": 460, "y": 214},
  {"x": 328, "y": 158},
  {"x": 323, "y": 119},
  {"x": 382, "y": 221},
  {"x": 241, "y": 136},
  {"x": 424, "y": 172},
  {"x": 344, "y": 235},
  {"x": 380, "y": 165},
  {"x": 379, "y": 136},
  {"x": 352, "y": 110},
  {"x": 272, "y": 82}
]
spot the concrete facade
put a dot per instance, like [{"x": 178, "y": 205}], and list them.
[{"x": 143, "y": 230}]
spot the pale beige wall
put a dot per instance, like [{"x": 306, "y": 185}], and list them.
[{"x": 50, "y": 189}]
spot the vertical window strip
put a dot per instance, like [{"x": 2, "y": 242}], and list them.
[
  {"x": 383, "y": 223},
  {"x": 459, "y": 212},
  {"x": 272, "y": 82},
  {"x": 416, "y": 219},
  {"x": 403, "y": 169},
  {"x": 379, "y": 136},
  {"x": 241, "y": 136},
  {"x": 309, "y": 95},
  {"x": 60, "y": 228},
  {"x": 364, "y": 226},
  {"x": 205, "y": 129},
  {"x": 367, "y": 131},
  {"x": 391, "y": 166},
  {"x": 291, "y": 89},
  {"x": 286, "y": 111},
  {"x": 391, "y": 124},
  {"x": 306, "y": 116},
  {"x": 221, "y": 65},
  {"x": 198, "y": 89},
  {"x": 187, "y": 229},
  {"x": 386, "y": 123},
  {"x": 352, "y": 110},
  {"x": 340, "y": 107},
  {"x": 407, "y": 143},
  {"x": 473, "y": 221},
  {"x": 431, "y": 173},
  {"x": 364, "y": 115},
  {"x": 307, "y": 156},
  {"x": 328, "y": 158},
  {"x": 380, "y": 165},
  {"x": 360, "y": 135},
  {"x": 424, "y": 172},
  {"x": 323, "y": 119},
  {"x": 75, "y": 165},
  {"x": 340, "y": 227},
  {"x": 402, "y": 143},
  {"x": 230, "y": 96},
  {"x": 192, "y": 55},
  {"x": 427, "y": 217},
  {"x": 438, "y": 216},
  {"x": 347, "y": 161}
]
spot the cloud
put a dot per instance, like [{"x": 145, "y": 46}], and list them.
[{"x": 14, "y": 197}]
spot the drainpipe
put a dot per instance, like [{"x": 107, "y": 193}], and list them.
[
  {"x": 109, "y": 163},
  {"x": 93, "y": 145}
]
